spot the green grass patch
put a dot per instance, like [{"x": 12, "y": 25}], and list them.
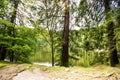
[{"x": 3, "y": 64}]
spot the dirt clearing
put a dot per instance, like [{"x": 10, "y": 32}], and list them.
[{"x": 30, "y": 72}]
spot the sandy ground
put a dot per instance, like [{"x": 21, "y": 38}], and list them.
[
  {"x": 24, "y": 72},
  {"x": 7, "y": 73},
  {"x": 28, "y": 75}
]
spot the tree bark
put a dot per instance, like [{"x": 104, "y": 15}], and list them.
[
  {"x": 65, "y": 37},
  {"x": 52, "y": 49},
  {"x": 2, "y": 53},
  {"x": 12, "y": 30},
  {"x": 111, "y": 36}
]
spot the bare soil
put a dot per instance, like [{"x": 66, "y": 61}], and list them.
[{"x": 33, "y": 72}]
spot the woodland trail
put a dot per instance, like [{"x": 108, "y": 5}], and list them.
[{"x": 36, "y": 72}]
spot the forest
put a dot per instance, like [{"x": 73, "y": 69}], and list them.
[
  {"x": 62, "y": 32},
  {"x": 59, "y": 39}
]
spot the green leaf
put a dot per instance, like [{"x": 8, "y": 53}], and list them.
[{"x": 5, "y": 22}]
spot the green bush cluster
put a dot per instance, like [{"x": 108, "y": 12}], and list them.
[{"x": 18, "y": 44}]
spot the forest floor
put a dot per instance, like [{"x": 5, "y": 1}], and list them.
[{"x": 36, "y": 72}]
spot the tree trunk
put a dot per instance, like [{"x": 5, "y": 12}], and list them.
[
  {"x": 50, "y": 32},
  {"x": 112, "y": 44},
  {"x": 52, "y": 47},
  {"x": 65, "y": 37},
  {"x": 11, "y": 55},
  {"x": 111, "y": 36},
  {"x": 2, "y": 53},
  {"x": 12, "y": 30}
]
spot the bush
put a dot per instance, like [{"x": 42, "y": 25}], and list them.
[{"x": 21, "y": 53}]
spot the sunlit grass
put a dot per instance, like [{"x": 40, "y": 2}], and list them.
[{"x": 3, "y": 64}]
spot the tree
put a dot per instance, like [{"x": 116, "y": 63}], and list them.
[
  {"x": 89, "y": 13},
  {"x": 111, "y": 35},
  {"x": 50, "y": 19},
  {"x": 3, "y": 45},
  {"x": 16, "y": 42},
  {"x": 12, "y": 29},
  {"x": 65, "y": 37}
]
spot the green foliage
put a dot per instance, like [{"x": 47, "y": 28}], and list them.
[
  {"x": 3, "y": 7},
  {"x": 21, "y": 44},
  {"x": 87, "y": 58},
  {"x": 5, "y": 41},
  {"x": 115, "y": 15},
  {"x": 21, "y": 53},
  {"x": 43, "y": 47},
  {"x": 26, "y": 36},
  {"x": 3, "y": 64},
  {"x": 117, "y": 30},
  {"x": 36, "y": 43},
  {"x": 85, "y": 42},
  {"x": 5, "y": 22}
]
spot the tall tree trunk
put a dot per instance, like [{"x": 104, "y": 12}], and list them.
[
  {"x": 12, "y": 30},
  {"x": 111, "y": 36},
  {"x": 65, "y": 37}
]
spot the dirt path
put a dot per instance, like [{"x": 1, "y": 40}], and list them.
[
  {"x": 36, "y": 74},
  {"x": 27, "y": 72},
  {"x": 7, "y": 73}
]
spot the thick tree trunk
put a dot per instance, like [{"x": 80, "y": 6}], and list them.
[
  {"x": 112, "y": 44},
  {"x": 111, "y": 36},
  {"x": 65, "y": 37}
]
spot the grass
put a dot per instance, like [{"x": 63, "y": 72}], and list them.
[{"x": 3, "y": 64}]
